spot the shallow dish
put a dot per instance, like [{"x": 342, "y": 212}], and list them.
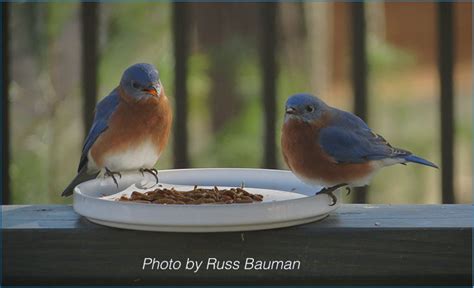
[{"x": 287, "y": 201}]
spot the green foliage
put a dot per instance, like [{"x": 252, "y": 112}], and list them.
[
  {"x": 137, "y": 32},
  {"x": 240, "y": 142},
  {"x": 386, "y": 58},
  {"x": 26, "y": 172},
  {"x": 57, "y": 16}
]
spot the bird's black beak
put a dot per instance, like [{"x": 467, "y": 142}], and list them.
[{"x": 290, "y": 110}]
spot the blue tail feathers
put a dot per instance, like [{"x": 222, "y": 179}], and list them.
[{"x": 419, "y": 160}]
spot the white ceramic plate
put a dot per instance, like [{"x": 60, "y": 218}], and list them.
[{"x": 287, "y": 201}]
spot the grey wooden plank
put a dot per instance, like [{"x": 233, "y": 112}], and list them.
[
  {"x": 347, "y": 216},
  {"x": 410, "y": 244}
]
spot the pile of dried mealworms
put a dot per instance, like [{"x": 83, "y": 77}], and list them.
[{"x": 195, "y": 196}]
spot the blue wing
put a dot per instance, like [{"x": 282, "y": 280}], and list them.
[
  {"x": 348, "y": 120},
  {"x": 351, "y": 141},
  {"x": 104, "y": 110}
]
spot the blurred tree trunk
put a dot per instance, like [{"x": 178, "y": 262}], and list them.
[
  {"x": 319, "y": 19},
  {"x": 224, "y": 32},
  {"x": 65, "y": 70},
  {"x": 45, "y": 74},
  {"x": 293, "y": 38},
  {"x": 376, "y": 20},
  {"x": 27, "y": 31},
  {"x": 26, "y": 50}
]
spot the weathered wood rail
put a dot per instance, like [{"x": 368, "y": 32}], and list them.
[{"x": 358, "y": 244}]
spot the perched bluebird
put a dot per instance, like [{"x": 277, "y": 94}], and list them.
[
  {"x": 130, "y": 130},
  {"x": 325, "y": 146}
]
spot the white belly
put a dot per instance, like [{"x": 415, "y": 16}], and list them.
[
  {"x": 315, "y": 182},
  {"x": 133, "y": 158},
  {"x": 363, "y": 181}
]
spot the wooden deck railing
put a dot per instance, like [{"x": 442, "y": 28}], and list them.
[{"x": 357, "y": 244}]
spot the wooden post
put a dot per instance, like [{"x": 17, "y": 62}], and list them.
[
  {"x": 90, "y": 55},
  {"x": 270, "y": 74},
  {"x": 359, "y": 74},
  {"x": 5, "y": 106},
  {"x": 181, "y": 50},
  {"x": 445, "y": 66}
]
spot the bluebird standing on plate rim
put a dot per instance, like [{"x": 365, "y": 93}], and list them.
[
  {"x": 326, "y": 146},
  {"x": 130, "y": 130}
]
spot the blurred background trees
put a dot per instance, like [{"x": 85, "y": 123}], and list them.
[{"x": 225, "y": 109}]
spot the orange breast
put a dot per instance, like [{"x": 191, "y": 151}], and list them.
[
  {"x": 133, "y": 123},
  {"x": 305, "y": 157}
]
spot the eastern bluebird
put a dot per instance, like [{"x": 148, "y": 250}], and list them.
[
  {"x": 130, "y": 130},
  {"x": 333, "y": 148}
]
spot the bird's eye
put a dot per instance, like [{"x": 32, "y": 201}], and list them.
[
  {"x": 135, "y": 85},
  {"x": 309, "y": 108}
]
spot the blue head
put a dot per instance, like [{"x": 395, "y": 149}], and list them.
[
  {"x": 304, "y": 107},
  {"x": 141, "y": 81}
]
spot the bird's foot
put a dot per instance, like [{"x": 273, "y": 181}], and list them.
[
  {"x": 112, "y": 174},
  {"x": 348, "y": 191},
  {"x": 329, "y": 191},
  {"x": 152, "y": 171}
]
